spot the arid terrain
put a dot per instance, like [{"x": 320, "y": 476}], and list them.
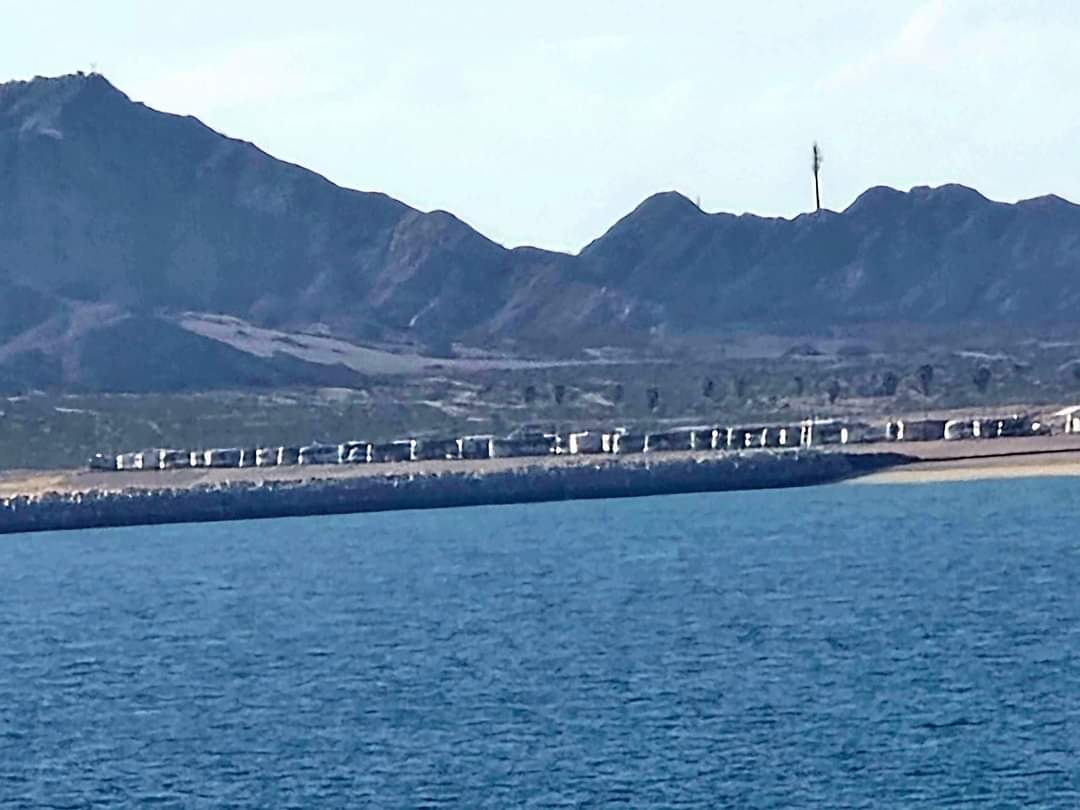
[
  {"x": 143, "y": 252},
  {"x": 828, "y": 377},
  {"x": 163, "y": 285}
]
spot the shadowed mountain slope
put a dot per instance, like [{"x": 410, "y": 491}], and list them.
[
  {"x": 108, "y": 206},
  {"x": 936, "y": 255}
]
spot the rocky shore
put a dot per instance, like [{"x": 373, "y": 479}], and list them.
[{"x": 429, "y": 487}]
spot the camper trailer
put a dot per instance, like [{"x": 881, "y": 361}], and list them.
[
  {"x": 609, "y": 442},
  {"x": 863, "y": 432},
  {"x": 724, "y": 438},
  {"x": 669, "y": 441},
  {"x": 355, "y": 452},
  {"x": 916, "y": 430},
  {"x": 222, "y": 457},
  {"x": 98, "y": 461},
  {"x": 127, "y": 461},
  {"x": 527, "y": 444},
  {"x": 320, "y": 454},
  {"x": 476, "y": 447},
  {"x": 829, "y": 432},
  {"x": 749, "y": 437},
  {"x": 387, "y": 452},
  {"x": 438, "y": 449},
  {"x": 1004, "y": 427},
  {"x": 959, "y": 429},
  {"x": 1069, "y": 420},
  {"x": 789, "y": 436},
  {"x": 627, "y": 442},
  {"x": 174, "y": 459},
  {"x": 148, "y": 460},
  {"x": 703, "y": 438},
  {"x": 586, "y": 441}
]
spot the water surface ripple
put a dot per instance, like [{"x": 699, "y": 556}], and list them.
[{"x": 831, "y": 647}]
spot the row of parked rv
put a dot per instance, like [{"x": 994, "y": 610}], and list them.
[
  {"x": 992, "y": 427},
  {"x": 806, "y": 434},
  {"x": 480, "y": 447}
]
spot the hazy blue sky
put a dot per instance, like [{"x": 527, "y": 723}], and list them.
[{"x": 542, "y": 123}]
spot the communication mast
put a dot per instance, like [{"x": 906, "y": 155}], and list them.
[{"x": 817, "y": 172}]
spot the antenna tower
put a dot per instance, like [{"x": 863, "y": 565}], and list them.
[{"x": 817, "y": 172}]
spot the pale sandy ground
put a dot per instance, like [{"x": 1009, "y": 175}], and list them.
[
  {"x": 975, "y": 469},
  {"x": 975, "y": 460}
]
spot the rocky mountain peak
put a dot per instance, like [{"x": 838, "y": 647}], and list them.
[{"x": 109, "y": 205}]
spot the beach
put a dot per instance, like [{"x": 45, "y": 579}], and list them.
[
  {"x": 43, "y": 500},
  {"x": 972, "y": 460}
]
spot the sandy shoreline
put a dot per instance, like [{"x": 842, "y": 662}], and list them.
[
  {"x": 1039, "y": 464},
  {"x": 59, "y": 500},
  {"x": 963, "y": 460}
]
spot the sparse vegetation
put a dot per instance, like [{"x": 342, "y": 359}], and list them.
[
  {"x": 46, "y": 430},
  {"x": 652, "y": 396},
  {"x": 833, "y": 391},
  {"x": 926, "y": 378}
]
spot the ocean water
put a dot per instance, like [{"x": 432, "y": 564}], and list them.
[{"x": 844, "y": 646}]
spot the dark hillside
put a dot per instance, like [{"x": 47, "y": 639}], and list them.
[{"x": 110, "y": 210}]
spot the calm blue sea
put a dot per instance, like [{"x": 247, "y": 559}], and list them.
[{"x": 845, "y": 646}]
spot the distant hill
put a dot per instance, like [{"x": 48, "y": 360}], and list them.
[
  {"x": 936, "y": 255},
  {"x": 115, "y": 219}
]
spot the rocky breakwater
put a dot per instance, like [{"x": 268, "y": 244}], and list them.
[{"x": 434, "y": 488}]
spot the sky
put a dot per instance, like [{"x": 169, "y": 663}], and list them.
[{"x": 544, "y": 123}]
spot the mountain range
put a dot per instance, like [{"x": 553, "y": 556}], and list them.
[{"x": 141, "y": 250}]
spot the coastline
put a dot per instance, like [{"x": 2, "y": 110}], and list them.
[
  {"x": 77, "y": 500},
  {"x": 32, "y": 501},
  {"x": 979, "y": 468}
]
